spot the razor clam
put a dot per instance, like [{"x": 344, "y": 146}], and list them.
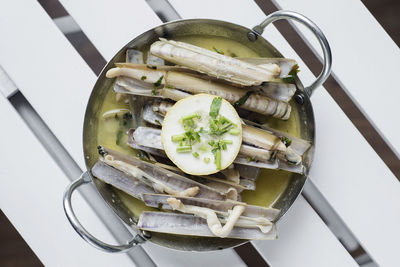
[
  {"x": 212, "y": 63},
  {"x": 155, "y": 147},
  {"x": 214, "y": 223},
  {"x": 231, "y": 174},
  {"x": 134, "y": 56},
  {"x": 221, "y": 207},
  {"x": 186, "y": 224},
  {"x": 300, "y": 146},
  {"x": 247, "y": 183},
  {"x": 285, "y": 64},
  {"x": 195, "y": 84},
  {"x": 150, "y": 116},
  {"x": 160, "y": 179},
  {"x": 248, "y": 172},
  {"x": 228, "y": 188},
  {"x": 153, "y": 60},
  {"x": 120, "y": 180},
  {"x": 276, "y": 90}
]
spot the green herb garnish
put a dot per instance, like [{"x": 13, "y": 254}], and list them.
[
  {"x": 206, "y": 160},
  {"x": 218, "y": 159},
  {"x": 158, "y": 82},
  {"x": 292, "y": 74},
  {"x": 178, "y": 138},
  {"x": 286, "y": 141},
  {"x": 215, "y": 106},
  {"x": 243, "y": 99},
  {"x": 234, "y": 131},
  {"x": 158, "y": 122},
  {"x": 119, "y": 137},
  {"x": 195, "y": 154},
  {"x": 248, "y": 159},
  {"x": 183, "y": 149},
  {"x": 217, "y": 50},
  {"x": 143, "y": 78}
]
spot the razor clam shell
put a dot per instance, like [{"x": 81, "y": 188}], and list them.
[
  {"x": 153, "y": 60},
  {"x": 149, "y": 137},
  {"x": 258, "y": 153},
  {"x": 160, "y": 200},
  {"x": 300, "y": 146},
  {"x": 135, "y": 104},
  {"x": 150, "y": 116},
  {"x": 285, "y": 64},
  {"x": 248, "y": 172},
  {"x": 279, "y": 91},
  {"x": 132, "y": 143},
  {"x": 171, "y": 179},
  {"x": 132, "y": 86},
  {"x": 186, "y": 224},
  {"x": 211, "y": 63},
  {"x": 120, "y": 180},
  {"x": 134, "y": 56},
  {"x": 248, "y": 184}
]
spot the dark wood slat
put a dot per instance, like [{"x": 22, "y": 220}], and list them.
[
  {"x": 250, "y": 255},
  {"x": 14, "y": 251}
]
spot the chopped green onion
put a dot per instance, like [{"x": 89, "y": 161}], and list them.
[
  {"x": 286, "y": 141},
  {"x": 211, "y": 143},
  {"x": 218, "y": 159},
  {"x": 292, "y": 74},
  {"x": 183, "y": 149},
  {"x": 204, "y": 148},
  {"x": 226, "y": 141},
  {"x": 193, "y": 116},
  {"x": 158, "y": 122},
  {"x": 206, "y": 160},
  {"x": 243, "y": 99},
  {"x": 250, "y": 159},
  {"x": 158, "y": 82},
  {"x": 234, "y": 131},
  {"x": 215, "y": 106},
  {"x": 218, "y": 51},
  {"x": 143, "y": 78},
  {"x": 195, "y": 154},
  {"x": 223, "y": 120},
  {"x": 178, "y": 137}
]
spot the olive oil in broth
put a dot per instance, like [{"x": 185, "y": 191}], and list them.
[{"x": 270, "y": 184}]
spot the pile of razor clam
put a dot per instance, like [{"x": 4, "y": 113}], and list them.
[{"x": 194, "y": 200}]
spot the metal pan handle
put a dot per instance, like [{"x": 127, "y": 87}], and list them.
[
  {"x": 84, "y": 179},
  {"x": 284, "y": 14}
]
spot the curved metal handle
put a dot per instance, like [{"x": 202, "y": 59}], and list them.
[
  {"x": 284, "y": 14},
  {"x": 84, "y": 179}
]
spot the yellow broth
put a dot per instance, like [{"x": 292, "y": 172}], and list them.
[{"x": 270, "y": 183}]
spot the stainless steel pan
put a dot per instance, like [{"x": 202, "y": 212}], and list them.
[{"x": 251, "y": 38}]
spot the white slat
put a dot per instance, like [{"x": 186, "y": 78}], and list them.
[
  {"x": 365, "y": 58},
  {"x": 355, "y": 183},
  {"x": 31, "y": 192},
  {"x": 108, "y": 30},
  {"x": 70, "y": 81},
  {"x": 302, "y": 223},
  {"x": 8, "y": 87},
  {"x": 48, "y": 71}
]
